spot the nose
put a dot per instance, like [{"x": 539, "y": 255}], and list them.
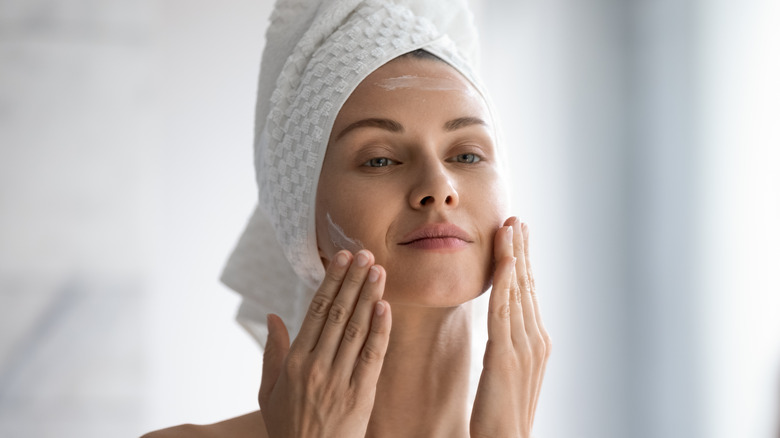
[{"x": 433, "y": 189}]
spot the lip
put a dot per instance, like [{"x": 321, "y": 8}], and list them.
[{"x": 437, "y": 236}]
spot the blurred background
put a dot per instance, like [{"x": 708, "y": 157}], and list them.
[{"x": 645, "y": 146}]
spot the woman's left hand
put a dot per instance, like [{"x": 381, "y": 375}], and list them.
[{"x": 518, "y": 345}]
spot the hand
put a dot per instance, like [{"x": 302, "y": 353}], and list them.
[
  {"x": 324, "y": 384},
  {"x": 518, "y": 345}
]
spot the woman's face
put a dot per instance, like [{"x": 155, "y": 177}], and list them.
[{"x": 411, "y": 174}]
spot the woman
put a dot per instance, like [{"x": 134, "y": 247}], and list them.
[{"x": 409, "y": 223}]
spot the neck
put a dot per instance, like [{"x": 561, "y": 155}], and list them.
[{"x": 423, "y": 387}]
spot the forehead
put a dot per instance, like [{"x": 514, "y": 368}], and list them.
[
  {"x": 388, "y": 75},
  {"x": 406, "y": 80}
]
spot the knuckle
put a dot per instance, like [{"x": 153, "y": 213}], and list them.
[
  {"x": 315, "y": 374},
  {"x": 368, "y": 294},
  {"x": 338, "y": 313},
  {"x": 353, "y": 280},
  {"x": 515, "y": 296},
  {"x": 293, "y": 364},
  {"x": 319, "y": 306},
  {"x": 353, "y": 331},
  {"x": 371, "y": 354},
  {"x": 525, "y": 285},
  {"x": 502, "y": 312},
  {"x": 514, "y": 288},
  {"x": 333, "y": 276},
  {"x": 379, "y": 330},
  {"x": 270, "y": 351},
  {"x": 518, "y": 279}
]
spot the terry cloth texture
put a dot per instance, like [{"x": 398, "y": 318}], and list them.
[{"x": 316, "y": 54}]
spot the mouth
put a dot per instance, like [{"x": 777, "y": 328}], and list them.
[{"x": 437, "y": 236}]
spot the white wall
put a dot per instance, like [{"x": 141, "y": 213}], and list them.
[
  {"x": 647, "y": 158},
  {"x": 125, "y": 179}
]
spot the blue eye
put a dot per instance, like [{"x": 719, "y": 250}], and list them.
[
  {"x": 467, "y": 158},
  {"x": 379, "y": 162}
]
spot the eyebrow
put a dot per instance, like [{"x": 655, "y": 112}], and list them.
[
  {"x": 393, "y": 126},
  {"x": 462, "y": 122},
  {"x": 386, "y": 124}
]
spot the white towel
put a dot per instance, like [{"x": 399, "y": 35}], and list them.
[{"x": 316, "y": 54}]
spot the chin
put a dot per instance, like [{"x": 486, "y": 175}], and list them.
[
  {"x": 433, "y": 290},
  {"x": 435, "y": 280}
]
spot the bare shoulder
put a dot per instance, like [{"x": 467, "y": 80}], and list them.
[{"x": 250, "y": 425}]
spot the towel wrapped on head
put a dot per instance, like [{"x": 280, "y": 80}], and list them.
[{"x": 316, "y": 54}]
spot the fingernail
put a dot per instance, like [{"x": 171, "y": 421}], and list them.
[
  {"x": 362, "y": 259},
  {"x": 373, "y": 274},
  {"x": 380, "y": 308},
  {"x": 509, "y": 233},
  {"x": 342, "y": 259},
  {"x": 525, "y": 230}
]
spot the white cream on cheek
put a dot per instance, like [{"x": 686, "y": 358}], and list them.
[
  {"x": 340, "y": 239},
  {"x": 423, "y": 83}
]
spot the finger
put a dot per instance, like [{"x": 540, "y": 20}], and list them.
[
  {"x": 372, "y": 355},
  {"x": 538, "y": 391},
  {"x": 534, "y": 296},
  {"x": 525, "y": 300},
  {"x": 277, "y": 346},
  {"x": 531, "y": 281},
  {"x": 320, "y": 305},
  {"x": 544, "y": 337},
  {"x": 359, "y": 324},
  {"x": 343, "y": 306},
  {"x": 539, "y": 378},
  {"x": 503, "y": 242},
  {"x": 515, "y": 306},
  {"x": 499, "y": 327}
]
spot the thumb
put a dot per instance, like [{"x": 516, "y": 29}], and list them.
[{"x": 276, "y": 347}]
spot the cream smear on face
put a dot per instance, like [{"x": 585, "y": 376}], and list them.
[
  {"x": 340, "y": 239},
  {"x": 422, "y": 83}
]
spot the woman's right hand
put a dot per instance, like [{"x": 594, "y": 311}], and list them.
[{"x": 324, "y": 384}]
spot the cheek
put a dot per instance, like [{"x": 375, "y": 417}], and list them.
[
  {"x": 490, "y": 209},
  {"x": 339, "y": 238},
  {"x": 333, "y": 232},
  {"x": 489, "y": 202},
  {"x": 350, "y": 219},
  {"x": 500, "y": 194}
]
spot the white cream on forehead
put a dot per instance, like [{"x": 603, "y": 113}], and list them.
[
  {"x": 340, "y": 239},
  {"x": 423, "y": 83}
]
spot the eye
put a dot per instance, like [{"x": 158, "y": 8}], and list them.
[
  {"x": 379, "y": 162},
  {"x": 467, "y": 158}
]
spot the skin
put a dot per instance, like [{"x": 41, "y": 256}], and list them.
[{"x": 384, "y": 348}]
